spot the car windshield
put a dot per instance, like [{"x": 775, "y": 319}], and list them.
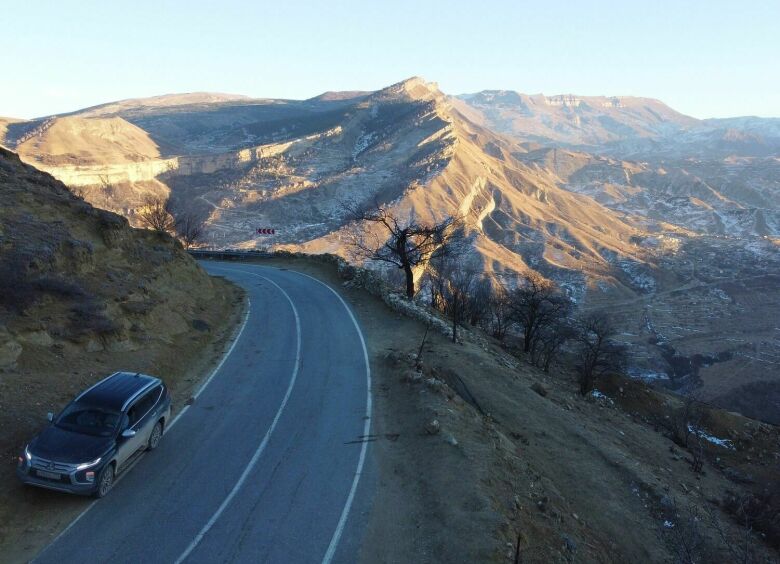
[{"x": 88, "y": 420}]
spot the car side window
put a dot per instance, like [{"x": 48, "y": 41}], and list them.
[
  {"x": 141, "y": 407},
  {"x": 132, "y": 415},
  {"x": 124, "y": 422}
]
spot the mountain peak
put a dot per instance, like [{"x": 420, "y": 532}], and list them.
[{"x": 414, "y": 88}]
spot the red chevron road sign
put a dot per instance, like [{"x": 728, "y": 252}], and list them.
[{"x": 266, "y": 231}]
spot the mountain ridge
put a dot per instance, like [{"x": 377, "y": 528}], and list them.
[{"x": 622, "y": 226}]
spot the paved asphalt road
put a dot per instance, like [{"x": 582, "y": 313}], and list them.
[{"x": 266, "y": 465}]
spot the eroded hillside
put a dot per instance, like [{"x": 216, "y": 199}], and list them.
[
  {"x": 736, "y": 197},
  {"x": 82, "y": 294},
  {"x": 291, "y": 166},
  {"x": 637, "y": 235}
]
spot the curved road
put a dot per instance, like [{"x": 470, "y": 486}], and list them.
[{"x": 266, "y": 464}]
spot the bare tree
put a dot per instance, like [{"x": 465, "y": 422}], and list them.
[
  {"x": 536, "y": 304},
  {"x": 436, "y": 283},
  {"x": 156, "y": 215},
  {"x": 107, "y": 189},
  {"x": 697, "y": 453},
  {"x": 598, "y": 353},
  {"x": 77, "y": 191},
  {"x": 747, "y": 511},
  {"x": 681, "y": 425},
  {"x": 408, "y": 244},
  {"x": 548, "y": 342},
  {"x": 499, "y": 310},
  {"x": 686, "y": 535},
  {"x": 459, "y": 284},
  {"x": 190, "y": 227},
  {"x": 478, "y": 302}
]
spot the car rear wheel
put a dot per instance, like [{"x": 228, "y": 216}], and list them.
[
  {"x": 154, "y": 438},
  {"x": 105, "y": 481}
]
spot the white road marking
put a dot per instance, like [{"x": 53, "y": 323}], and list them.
[
  {"x": 261, "y": 448},
  {"x": 366, "y": 427},
  {"x": 334, "y": 541},
  {"x": 214, "y": 372},
  {"x": 168, "y": 428}
]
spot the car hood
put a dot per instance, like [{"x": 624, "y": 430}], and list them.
[{"x": 66, "y": 446}]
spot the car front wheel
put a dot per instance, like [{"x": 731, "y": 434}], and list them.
[
  {"x": 154, "y": 438},
  {"x": 105, "y": 481}
]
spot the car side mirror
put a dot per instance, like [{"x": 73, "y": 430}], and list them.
[
  {"x": 127, "y": 433},
  {"x": 50, "y": 416}
]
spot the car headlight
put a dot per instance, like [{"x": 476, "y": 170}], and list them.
[
  {"x": 89, "y": 464},
  {"x": 27, "y": 454}
]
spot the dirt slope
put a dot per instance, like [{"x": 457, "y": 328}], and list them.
[
  {"x": 575, "y": 479},
  {"x": 82, "y": 294},
  {"x": 85, "y": 141}
]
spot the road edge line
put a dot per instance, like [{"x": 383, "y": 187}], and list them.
[
  {"x": 167, "y": 429},
  {"x": 217, "y": 369},
  {"x": 256, "y": 456},
  {"x": 334, "y": 541}
]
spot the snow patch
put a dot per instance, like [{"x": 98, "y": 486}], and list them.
[
  {"x": 638, "y": 275},
  {"x": 725, "y": 443},
  {"x": 363, "y": 142},
  {"x": 647, "y": 375},
  {"x": 600, "y": 396}
]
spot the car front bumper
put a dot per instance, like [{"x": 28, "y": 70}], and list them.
[{"x": 26, "y": 475}]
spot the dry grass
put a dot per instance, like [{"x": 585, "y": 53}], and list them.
[
  {"x": 84, "y": 295},
  {"x": 575, "y": 479}
]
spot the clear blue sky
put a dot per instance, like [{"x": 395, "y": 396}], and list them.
[{"x": 705, "y": 58}]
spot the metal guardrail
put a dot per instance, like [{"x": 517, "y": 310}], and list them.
[{"x": 228, "y": 254}]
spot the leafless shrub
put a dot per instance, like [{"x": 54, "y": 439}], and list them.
[
  {"x": 418, "y": 359},
  {"x": 478, "y": 300},
  {"x": 685, "y": 534},
  {"x": 548, "y": 342},
  {"x": 536, "y": 304},
  {"x": 598, "y": 354},
  {"x": 436, "y": 284},
  {"x": 698, "y": 536},
  {"x": 408, "y": 244},
  {"x": 156, "y": 215},
  {"x": 107, "y": 189},
  {"x": 190, "y": 227},
  {"x": 457, "y": 285},
  {"x": 77, "y": 191},
  {"x": 760, "y": 512},
  {"x": 499, "y": 318},
  {"x": 681, "y": 424},
  {"x": 696, "y": 448}
]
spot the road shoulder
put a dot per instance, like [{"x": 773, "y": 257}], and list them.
[{"x": 31, "y": 518}]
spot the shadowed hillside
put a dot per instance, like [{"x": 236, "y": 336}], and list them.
[{"x": 638, "y": 224}]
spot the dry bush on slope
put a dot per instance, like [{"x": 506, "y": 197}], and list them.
[
  {"x": 598, "y": 355},
  {"x": 82, "y": 294},
  {"x": 156, "y": 215}
]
